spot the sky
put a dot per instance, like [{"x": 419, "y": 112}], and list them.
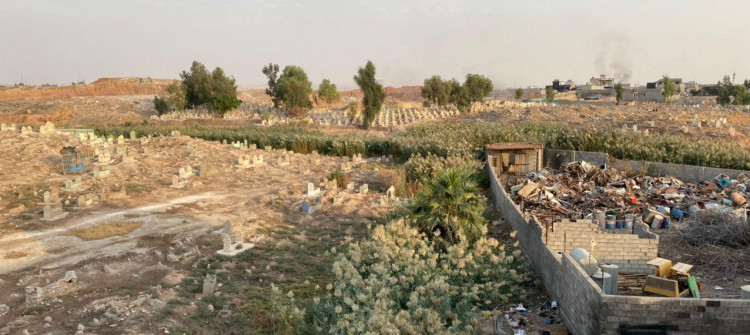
[{"x": 514, "y": 43}]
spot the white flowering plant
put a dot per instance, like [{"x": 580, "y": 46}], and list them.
[{"x": 397, "y": 282}]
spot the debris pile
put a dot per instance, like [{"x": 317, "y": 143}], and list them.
[
  {"x": 582, "y": 190},
  {"x": 543, "y": 319}
]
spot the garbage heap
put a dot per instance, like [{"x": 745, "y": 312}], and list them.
[{"x": 581, "y": 190}]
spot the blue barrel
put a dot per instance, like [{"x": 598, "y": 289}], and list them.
[
  {"x": 609, "y": 224},
  {"x": 677, "y": 213},
  {"x": 620, "y": 224},
  {"x": 665, "y": 223}
]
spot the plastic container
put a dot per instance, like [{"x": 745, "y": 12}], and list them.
[
  {"x": 629, "y": 221},
  {"x": 663, "y": 209},
  {"x": 656, "y": 221},
  {"x": 665, "y": 223},
  {"x": 648, "y": 216}
]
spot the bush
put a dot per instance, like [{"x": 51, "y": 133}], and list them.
[
  {"x": 222, "y": 103},
  {"x": 397, "y": 282},
  {"x": 160, "y": 105}
]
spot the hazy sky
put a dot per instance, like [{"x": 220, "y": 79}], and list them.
[{"x": 512, "y": 42}]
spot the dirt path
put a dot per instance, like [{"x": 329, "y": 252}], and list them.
[{"x": 101, "y": 217}]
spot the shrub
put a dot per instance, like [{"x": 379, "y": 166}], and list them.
[
  {"x": 397, "y": 282},
  {"x": 160, "y": 105}
]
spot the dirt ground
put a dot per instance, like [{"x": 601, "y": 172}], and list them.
[{"x": 123, "y": 278}]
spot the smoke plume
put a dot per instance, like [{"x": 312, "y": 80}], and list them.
[{"x": 615, "y": 56}]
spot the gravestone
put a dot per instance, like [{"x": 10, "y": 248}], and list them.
[
  {"x": 227, "y": 228},
  {"x": 363, "y": 189},
  {"x": 132, "y": 135},
  {"x": 209, "y": 285},
  {"x": 312, "y": 191},
  {"x": 391, "y": 193},
  {"x": 350, "y": 186},
  {"x": 53, "y": 213},
  {"x": 227, "y": 240}
]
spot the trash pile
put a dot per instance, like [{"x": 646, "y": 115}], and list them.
[
  {"x": 521, "y": 320},
  {"x": 583, "y": 190}
]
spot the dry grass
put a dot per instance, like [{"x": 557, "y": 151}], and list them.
[
  {"x": 102, "y": 231},
  {"x": 15, "y": 254},
  {"x": 715, "y": 243}
]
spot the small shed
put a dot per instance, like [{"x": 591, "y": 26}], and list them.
[{"x": 517, "y": 158}]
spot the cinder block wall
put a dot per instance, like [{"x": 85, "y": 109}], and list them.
[
  {"x": 565, "y": 281},
  {"x": 628, "y": 251},
  {"x": 677, "y": 316}
]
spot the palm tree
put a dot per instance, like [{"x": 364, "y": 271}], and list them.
[{"x": 449, "y": 206}]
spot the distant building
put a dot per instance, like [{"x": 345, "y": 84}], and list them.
[
  {"x": 597, "y": 88},
  {"x": 602, "y": 82},
  {"x": 653, "y": 91},
  {"x": 562, "y": 87}
]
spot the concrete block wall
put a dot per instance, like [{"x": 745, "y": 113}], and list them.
[
  {"x": 628, "y": 251},
  {"x": 676, "y": 316},
  {"x": 565, "y": 281},
  {"x": 579, "y": 298}
]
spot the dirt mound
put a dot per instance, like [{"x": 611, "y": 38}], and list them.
[
  {"x": 403, "y": 93},
  {"x": 101, "y": 87}
]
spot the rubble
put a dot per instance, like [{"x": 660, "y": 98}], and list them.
[{"x": 582, "y": 190}]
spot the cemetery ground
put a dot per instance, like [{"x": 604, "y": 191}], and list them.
[{"x": 140, "y": 256}]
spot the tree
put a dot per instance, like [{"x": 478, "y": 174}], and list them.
[
  {"x": 373, "y": 91},
  {"x": 328, "y": 91},
  {"x": 272, "y": 72},
  {"x": 459, "y": 95},
  {"x": 175, "y": 96},
  {"x": 519, "y": 93},
  {"x": 618, "y": 92},
  {"x": 746, "y": 83},
  {"x": 550, "y": 93},
  {"x": 450, "y": 205},
  {"x": 436, "y": 91},
  {"x": 293, "y": 90},
  {"x": 222, "y": 103},
  {"x": 669, "y": 88},
  {"x": 477, "y": 87},
  {"x": 160, "y": 105},
  {"x": 200, "y": 85},
  {"x": 741, "y": 95},
  {"x": 724, "y": 96}
]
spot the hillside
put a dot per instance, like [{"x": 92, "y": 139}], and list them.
[{"x": 101, "y": 87}]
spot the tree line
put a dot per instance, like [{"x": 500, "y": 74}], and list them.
[
  {"x": 439, "y": 92},
  {"x": 290, "y": 89}
]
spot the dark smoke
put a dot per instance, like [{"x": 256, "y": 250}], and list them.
[{"x": 615, "y": 56}]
